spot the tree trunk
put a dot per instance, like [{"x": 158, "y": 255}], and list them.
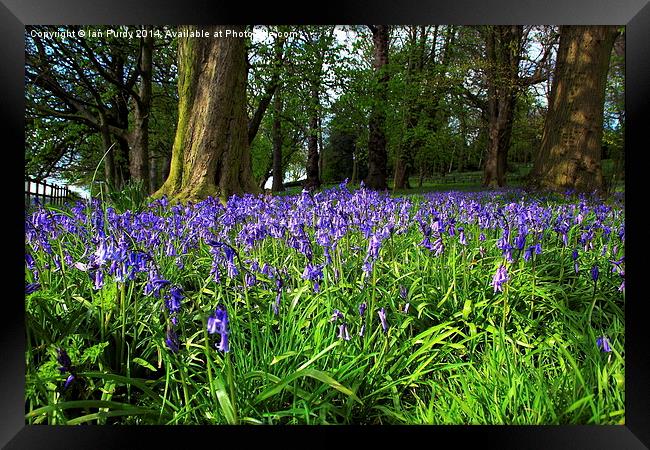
[
  {"x": 569, "y": 157},
  {"x": 122, "y": 171},
  {"x": 377, "y": 155},
  {"x": 313, "y": 180},
  {"x": 503, "y": 54},
  {"x": 210, "y": 155},
  {"x": 109, "y": 159},
  {"x": 154, "y": 172},
  {"x": 139, "y": 157},
  {"x": 278, "y": 175}
]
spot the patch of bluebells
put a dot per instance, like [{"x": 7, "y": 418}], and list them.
[{"x": 318, "y": 230}]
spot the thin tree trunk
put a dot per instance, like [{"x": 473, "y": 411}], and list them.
[
  {"x": 154, "y": 171},
  {"x": 569, "y": 157},
  {"x": 278, "y": 175},
  {"x": 139, "y": 157},
  {"x": 109, "y": 159},
  {"x": 313, "y": 179},
  {"x": 211, "y": 154},
  {"x": 377, "y": 155}
]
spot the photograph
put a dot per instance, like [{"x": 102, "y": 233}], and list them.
[{"x": 325, "y": 224}]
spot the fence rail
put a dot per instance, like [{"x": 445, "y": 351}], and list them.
[{"x": 45, "y": 193}]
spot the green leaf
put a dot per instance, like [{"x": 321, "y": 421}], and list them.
[
  {"x": 277, "y": 359},
  {"x": 321, "y": 376},
  {"x": 144, "y": 363},
  {"x": 93, "y": 353},
  {"x": 224, "y": 402}
]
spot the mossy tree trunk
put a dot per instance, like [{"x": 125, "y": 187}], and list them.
[
  {"x": 569, "y": 157},
  {"x": 211, "y": 154},
  {"x": 377, "y": 154}
]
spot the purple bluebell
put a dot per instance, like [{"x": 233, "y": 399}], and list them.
[
  {"x": 65, "y": 366},
  {"x": 64, "y": 360},
  {"x": 461, "y": 236},
  {"x": 594, "y": 273},
  {"x": 362, "y": 308},
  {"x": 603, "y": 343},
  {"x": 343, "y": 332},
  {"x": 174, "y": 300},
  {"x": 68, "y": 381},
  {"x": 218, "y": 323},
  {"x": 98, "y": 279},
  {"x": 500, "y": 277},
  {"x": 336, "y": 315},
  {"x": 171, "y": 340},
  {"x": 382, "y": 318},
  {"x": 403, "y": 292},
  {"x": 31, "y": 288},
  {"x": 276, "y": 303}
]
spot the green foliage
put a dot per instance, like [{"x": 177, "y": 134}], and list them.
[{"x": 132, "y": 197}]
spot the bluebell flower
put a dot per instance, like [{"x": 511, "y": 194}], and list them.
[
  {"x": 343, "y": 332},
  {"x": 362, "y": 308},
  {"x": 461, "y": 236},
  {"x": 171, "y": 340},
  {"x": 603, "y": 343},
  {"x": 98, "y": 279},
  {"x": 403, "y": 292},
  {"x": 336, "y": 315},
  {"x": 594, "y": 273},
  {"x": 65, "y": 366},
  {"x": 31, "y": 288},
  {"x": 174, "y": 300},
  {"x": 382, "y": 318},
  {"x": 500, "y": 277},
  {"x": 64, "y": 360},
  {"x": 218, "y": 323},
  {"x": 68, "y": 381},
  {"x": 276, "y": 304}
]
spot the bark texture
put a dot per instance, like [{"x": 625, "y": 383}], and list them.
[
  {"x": 313, "y": 158},
  {"x": 503, "y": 45},
  {"x": 210, "y": 155},
  {"x": 569, "y": 157},
  {"x": 377, "y": 155},
  {"x": 278, "y": 175},
  {"x": 139, "y": 156}
]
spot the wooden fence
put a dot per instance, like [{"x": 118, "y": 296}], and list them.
[{"x": 45, "y": 193}]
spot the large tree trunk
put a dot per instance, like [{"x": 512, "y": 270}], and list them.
[
  {"x": 139, "y": 157},
  {"x": 377, "y": 155},
  {"x": 210, "y": 155},
  {"x": 503, "y": 55},
  {"x": 313, "y": 179},
  {"x": 278, "y": 174},
  {"x": 569, "y": 157}
]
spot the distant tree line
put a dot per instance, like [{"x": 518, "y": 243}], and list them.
[{"x": 391, "y": 106}]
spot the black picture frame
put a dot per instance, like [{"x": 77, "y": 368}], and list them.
[{"x": 634, "y": 14}]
